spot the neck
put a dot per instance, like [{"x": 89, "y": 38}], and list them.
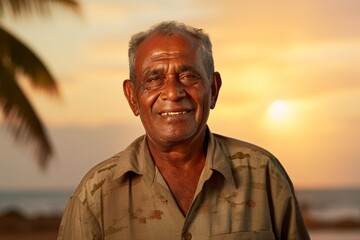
[
  {"x": 181, "y": 166},
  {"x": 180, "y": 155}
]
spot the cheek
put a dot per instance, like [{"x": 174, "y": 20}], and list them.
[
  {"x": 202, "y": 96},
  {"x": 203, "y": 102},
  {"x": 147, "y": 101}
]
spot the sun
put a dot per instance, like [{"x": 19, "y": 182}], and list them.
[{"x": 279, "y": 110}]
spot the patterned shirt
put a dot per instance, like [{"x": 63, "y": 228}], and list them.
[{"x": 243, "y": 193}]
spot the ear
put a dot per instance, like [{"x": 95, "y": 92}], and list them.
[
  {"x": 215, "y": 88},
  {"x": 128, "y": 88}
]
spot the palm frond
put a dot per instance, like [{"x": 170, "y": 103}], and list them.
[
  {"x": 20, "y": 116},
  {"x": 43, "y": 7},
  {"x": 17, "y": 55},
  {"x": 16, "y": 59}
]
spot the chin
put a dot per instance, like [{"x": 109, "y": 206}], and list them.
[{"x": 176, "y": 136}]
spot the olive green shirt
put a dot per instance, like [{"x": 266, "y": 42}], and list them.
[{"x": 243, "y": 193}]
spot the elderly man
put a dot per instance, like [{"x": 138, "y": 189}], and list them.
[{"x": 179, "y": 180}]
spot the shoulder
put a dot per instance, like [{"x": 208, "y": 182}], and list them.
[
  {"x": 247, "y": 158},
  {"x": 238, "y": 149},
  {"x": 103, "y": 174}
]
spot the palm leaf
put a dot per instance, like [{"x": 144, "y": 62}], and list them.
[
  {"x": 21, "y": 118},
  {"x": 16, "y": 59},
  {"x": 17, "y": 55},
  {"x": 21, "y": 7}
]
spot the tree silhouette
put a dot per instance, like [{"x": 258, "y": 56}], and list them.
[{"x": 17, "y": 61}]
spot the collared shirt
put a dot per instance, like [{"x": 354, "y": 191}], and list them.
[{"x": 243, "y": 193}]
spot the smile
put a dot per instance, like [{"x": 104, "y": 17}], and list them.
[{"x": 174, "y": 113}]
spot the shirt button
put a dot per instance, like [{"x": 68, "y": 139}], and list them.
[{"x": 187, "y": 236}]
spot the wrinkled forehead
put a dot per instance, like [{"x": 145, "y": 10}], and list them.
[{"x": 178, "y": 43}]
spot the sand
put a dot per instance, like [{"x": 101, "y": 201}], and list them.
[{"x": 15, "y": 226}]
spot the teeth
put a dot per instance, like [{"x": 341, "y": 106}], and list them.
[{"x": 173, "y": 113}]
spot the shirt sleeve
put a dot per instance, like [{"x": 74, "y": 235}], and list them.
[
  {"x": 287, "y": 219},
  {"x": 78, "y": 222},
  {"x": 288, "y": 222},
  {"x": 292, "y": 224}
]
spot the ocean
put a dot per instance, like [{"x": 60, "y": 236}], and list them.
[
  {"x": 329, "y": 205},
  {"x": 34, "y": 203},
  {"x": 332, "y": 206}
]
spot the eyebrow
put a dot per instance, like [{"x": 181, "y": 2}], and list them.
[
  {"x": 182, "y": 68},
  {"x": 155, "y": 71}
]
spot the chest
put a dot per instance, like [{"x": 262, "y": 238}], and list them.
[
  {"x": 182, "y": 187},
  {"x": 142, "y": 211}
]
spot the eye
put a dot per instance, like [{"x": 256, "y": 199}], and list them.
[
  {"x": 154, "y": 82},
  {"x": 189, "y": 78}
]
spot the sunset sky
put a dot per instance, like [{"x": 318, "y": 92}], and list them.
[{"x": 290, "y": 71}]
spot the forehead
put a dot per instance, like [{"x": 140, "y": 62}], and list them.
[{"x": 179, "y": 43}]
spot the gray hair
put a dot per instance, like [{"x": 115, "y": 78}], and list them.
[{"x": 168, "y": 29}]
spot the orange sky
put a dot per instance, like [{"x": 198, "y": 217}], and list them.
[{"x": 305, "y": 53}]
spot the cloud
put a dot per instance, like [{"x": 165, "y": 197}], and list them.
[
  {"x": 285, "y": 20},
  {"x": 255, "y": 73}
]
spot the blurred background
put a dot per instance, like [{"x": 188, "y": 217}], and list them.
[{"x": 291, "y": 84}]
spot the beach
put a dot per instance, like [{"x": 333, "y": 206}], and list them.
[{"x": 15, "y": 226}]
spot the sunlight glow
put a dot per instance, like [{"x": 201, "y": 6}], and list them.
[{"x": 279, "y": 110}]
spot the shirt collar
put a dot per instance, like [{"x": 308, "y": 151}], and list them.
[
  {"x": 217, "y": 159},
  {"x": 137, "y": 158}
]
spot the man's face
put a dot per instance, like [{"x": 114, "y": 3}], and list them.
[{"x": 172, "y": 92}]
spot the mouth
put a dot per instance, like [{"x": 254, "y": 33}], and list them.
[{"x": 177, "y": 113}]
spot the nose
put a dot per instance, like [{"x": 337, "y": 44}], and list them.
[{"x": 173, "y": 89}]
